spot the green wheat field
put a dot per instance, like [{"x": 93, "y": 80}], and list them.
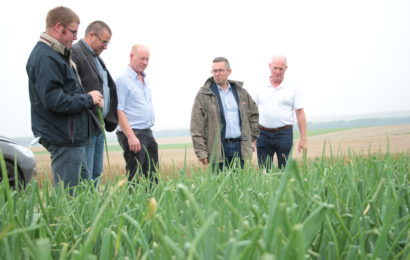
[{"x": 350, "y": 206}]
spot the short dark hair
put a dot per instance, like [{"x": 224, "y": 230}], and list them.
[
  {"x": 223, "y": 59},
  {"x": 61, "y": 14},
  {"x": 97, "y": 27}
]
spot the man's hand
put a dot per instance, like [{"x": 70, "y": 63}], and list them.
[
  {"x": 134, "y": 143},
  {"x": 302, "y": 145},
  {"x": 204, "y": 161},
  {"x": 254, "y": 145},
  {"x": 97, "y": 98}
]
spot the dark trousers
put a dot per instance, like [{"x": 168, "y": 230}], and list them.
[
  {"x": 269, "y": 144},
  {"x": 145, "y": 162},
  {"x": 232, "y": 154}
]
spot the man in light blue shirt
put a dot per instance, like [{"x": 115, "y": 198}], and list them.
[
  {"x": 136, "y": 117},
  {"x": 231, "y": 112}
]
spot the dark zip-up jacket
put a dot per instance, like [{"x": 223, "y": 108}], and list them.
[{"x": 59, "y": 105}]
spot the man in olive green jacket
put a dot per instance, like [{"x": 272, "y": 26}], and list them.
[{"x": 224, "y": 119}]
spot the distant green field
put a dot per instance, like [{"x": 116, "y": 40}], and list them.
[
  {"x": 116, "y": 147},
  {"x": 296, "y": 133}
]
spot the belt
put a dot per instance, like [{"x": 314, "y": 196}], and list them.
[
  {"x": 232, "y": 140},
  {"x": 140, "y": 130},
  {"x": 273, "y": 130}
]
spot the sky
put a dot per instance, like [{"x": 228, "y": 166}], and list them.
[{"x": 348, "y": 57}]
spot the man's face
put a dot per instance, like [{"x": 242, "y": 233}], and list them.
[
  {"x": 278, "y": 68},
  {"x": 100, "y": 42},
  {"x": 220, "y": 72},
  {"x": 139, "y": 60},
  {"x": 68, "y": 34}
]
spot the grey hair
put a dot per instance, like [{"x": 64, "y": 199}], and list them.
[
  {"x": 223, "y": 59},
  {"x": 276, "y": 57},
  {"x": 97, "y": 27}
]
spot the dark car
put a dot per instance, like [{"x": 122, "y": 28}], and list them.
[{"x": 24, "y": 158}]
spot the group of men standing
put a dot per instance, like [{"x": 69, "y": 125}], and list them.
[
  {"x": 74, "y": 100},
  {"x": 227, "y": 123}
]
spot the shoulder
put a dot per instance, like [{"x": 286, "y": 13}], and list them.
[
  {"x": 122, "y": 80},
  {"x": 262, "y": 90},
  {"x": 236, "y": 83},
  {"x": 206, "y": 88},
  {"x": 291, "y": 88},
  {"x": 78, "y": 47},
  {"x": 45, "y": 57},
  {"x": 78, "y": 51}
]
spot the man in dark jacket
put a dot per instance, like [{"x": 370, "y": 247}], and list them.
[
  {"x": 59, "y": 105},
  {"x": 95, "y": 76}
]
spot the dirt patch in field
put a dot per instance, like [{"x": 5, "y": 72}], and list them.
[{"x": 396, "y": 138}]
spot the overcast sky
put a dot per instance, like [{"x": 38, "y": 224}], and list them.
[{"x": 348, "y": 57}]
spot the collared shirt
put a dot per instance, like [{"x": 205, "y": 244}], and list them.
[
  {"x": 104, "y": 75},
  {"x": 134, "y": 98},
  {"x": 55, "y": 44},
  {"x": 231, "y": 112},
  {"x": 277, "y": 106}
]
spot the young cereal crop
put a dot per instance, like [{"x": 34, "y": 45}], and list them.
[{"x": 342, "y": 207}]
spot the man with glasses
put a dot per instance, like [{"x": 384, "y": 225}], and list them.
[
  {"x": 95, "y": 76},
  {"x": 59, "y": 104},
  {"x": 224, "y": 119}
]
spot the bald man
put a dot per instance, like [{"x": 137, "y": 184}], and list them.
[
  {"x": 136, "y": 117},
  {"x": 277, "y": 105}
]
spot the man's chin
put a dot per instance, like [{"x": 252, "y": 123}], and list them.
[{"x": 69, "y": 45}]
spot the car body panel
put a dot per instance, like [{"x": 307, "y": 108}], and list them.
[{"x": 25, "y": 158}]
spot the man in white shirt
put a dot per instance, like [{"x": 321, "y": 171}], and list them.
[{"x": 277, "y": 105}]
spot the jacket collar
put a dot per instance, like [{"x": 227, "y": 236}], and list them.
[
  {"x": 61, "y": 49},
  {"x": 87, "y": 47},
  {"x": 55, "y": 44},
  {"x": 208, "y": 83},
  {"x": 91, "y": 56}
]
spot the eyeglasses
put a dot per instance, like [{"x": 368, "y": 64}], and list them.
[
  {"x": 72, "y": 31},
  {"x": 218, "y": 71},
  {"x": 105, "y": 43}
]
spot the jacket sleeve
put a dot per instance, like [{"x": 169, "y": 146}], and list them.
[
  {"x": 54, "y": 94},
  {"x": 253, "y": 116},
  {"x": 111, "y": 119},
  {"x": 199, "y": 127}
]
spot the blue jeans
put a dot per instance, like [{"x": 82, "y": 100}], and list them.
[
  {"x": 67, "y": 163},
  {"x": 269, "y": 144},
  {"x": 232, "y": 151},
  {"x": 94, "y": 153}
]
